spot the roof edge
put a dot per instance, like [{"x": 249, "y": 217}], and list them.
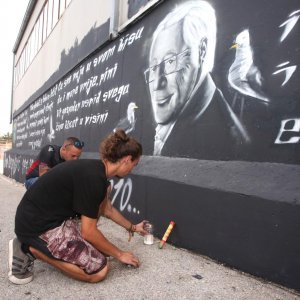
[{"x": 25, "y": 22}]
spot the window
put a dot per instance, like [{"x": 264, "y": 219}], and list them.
[
  {"x": 39, "y": 26},
  {"x": 55, "y": 11},
  {"x": 49, "y": 16},
  {"x": 62, "y": 6},
  {"x": 44, "y": 14}
]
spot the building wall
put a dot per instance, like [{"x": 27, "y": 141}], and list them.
[
  {"x": 59, "y": 42},
  {"x": 4, "y": 146},
  {"x": 36, "y": 11},
  {"x": 228, "y": 173}
]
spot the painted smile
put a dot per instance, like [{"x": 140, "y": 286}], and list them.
[{"x": 163, "y": 101}]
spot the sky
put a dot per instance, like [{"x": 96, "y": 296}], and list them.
[{"x": 11, "y": 17}]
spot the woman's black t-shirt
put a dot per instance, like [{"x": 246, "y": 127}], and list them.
[{"x": 70, "y": 189}]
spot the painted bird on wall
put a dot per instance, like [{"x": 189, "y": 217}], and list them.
[
  {"x": 51, "y": 134},
  {"x": 128, "y": 123},
  {"x": 244, "y": 76}
]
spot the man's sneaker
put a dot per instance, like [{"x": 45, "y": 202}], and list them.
[{"x": 20, "y": 264}]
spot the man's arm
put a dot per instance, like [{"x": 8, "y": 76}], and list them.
[
  {"x": 112, "y": 213},
  {"x": 45, "y": 157},
  {"x": 43, "y": 168}
]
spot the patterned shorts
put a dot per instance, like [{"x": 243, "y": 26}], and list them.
[{"x": 66, "y": 243}]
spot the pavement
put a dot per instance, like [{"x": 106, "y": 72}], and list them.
[{"x": 168, "y": 273}]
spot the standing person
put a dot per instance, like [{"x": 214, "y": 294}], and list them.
[
  {"x": 192, "y": 116},
  {"x": 56, "y": 221},
  {"x": 50, "y": 156}
]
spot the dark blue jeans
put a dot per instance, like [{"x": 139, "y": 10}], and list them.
[{"x": 29, "y": 182}]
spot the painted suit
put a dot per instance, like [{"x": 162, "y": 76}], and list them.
[{"x": 213, "y": 133}]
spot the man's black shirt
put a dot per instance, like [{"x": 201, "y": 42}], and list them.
[
  {"x": 70, "y": 189},
  {"x": 49, "y": 155}
]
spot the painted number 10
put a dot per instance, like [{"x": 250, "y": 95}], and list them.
[{"x": 122, "y": 190}]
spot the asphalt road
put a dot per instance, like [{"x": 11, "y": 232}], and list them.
[{"x": 168, "y": 273}]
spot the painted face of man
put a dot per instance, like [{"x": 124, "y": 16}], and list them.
[{"x": 172, "y": 73}]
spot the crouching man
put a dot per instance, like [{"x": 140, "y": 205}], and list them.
[{"x": 56, "y": 220}]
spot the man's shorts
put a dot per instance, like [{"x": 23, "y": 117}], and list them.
[{"x": 66, "y": 243}]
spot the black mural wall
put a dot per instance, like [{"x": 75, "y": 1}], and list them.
[{"x": 194, "y": 81}]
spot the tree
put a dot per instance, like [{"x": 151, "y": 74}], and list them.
[{"x": 6, "y": 137}]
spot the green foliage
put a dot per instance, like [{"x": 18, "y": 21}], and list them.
[{"x": 6, "y": 137}]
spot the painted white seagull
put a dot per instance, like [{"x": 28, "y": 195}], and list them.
[
  {"x": 51, "y": 134},
  {"x": 128, "y": 123},
  {"x": 243, "y": 76}
]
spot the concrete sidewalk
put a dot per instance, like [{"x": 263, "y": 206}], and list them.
[{"x": 168, "y": 273}]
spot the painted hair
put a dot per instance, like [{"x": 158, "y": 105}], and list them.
[
  {"x": 197, "y": 20},
  {"x": 118, "y": 145}
]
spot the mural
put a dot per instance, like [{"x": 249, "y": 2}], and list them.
[
  {"x": 193, "y": 81},
  {"x": 128, "y": 122},
  {"x": 193, "y": 117},
  {"x": 134, "y": 6},
  {"x": 210, "y": 99},
  {"x": 243, "y": 76}
]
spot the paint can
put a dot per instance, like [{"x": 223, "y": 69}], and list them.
[{"x": 148, "y": 237}]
